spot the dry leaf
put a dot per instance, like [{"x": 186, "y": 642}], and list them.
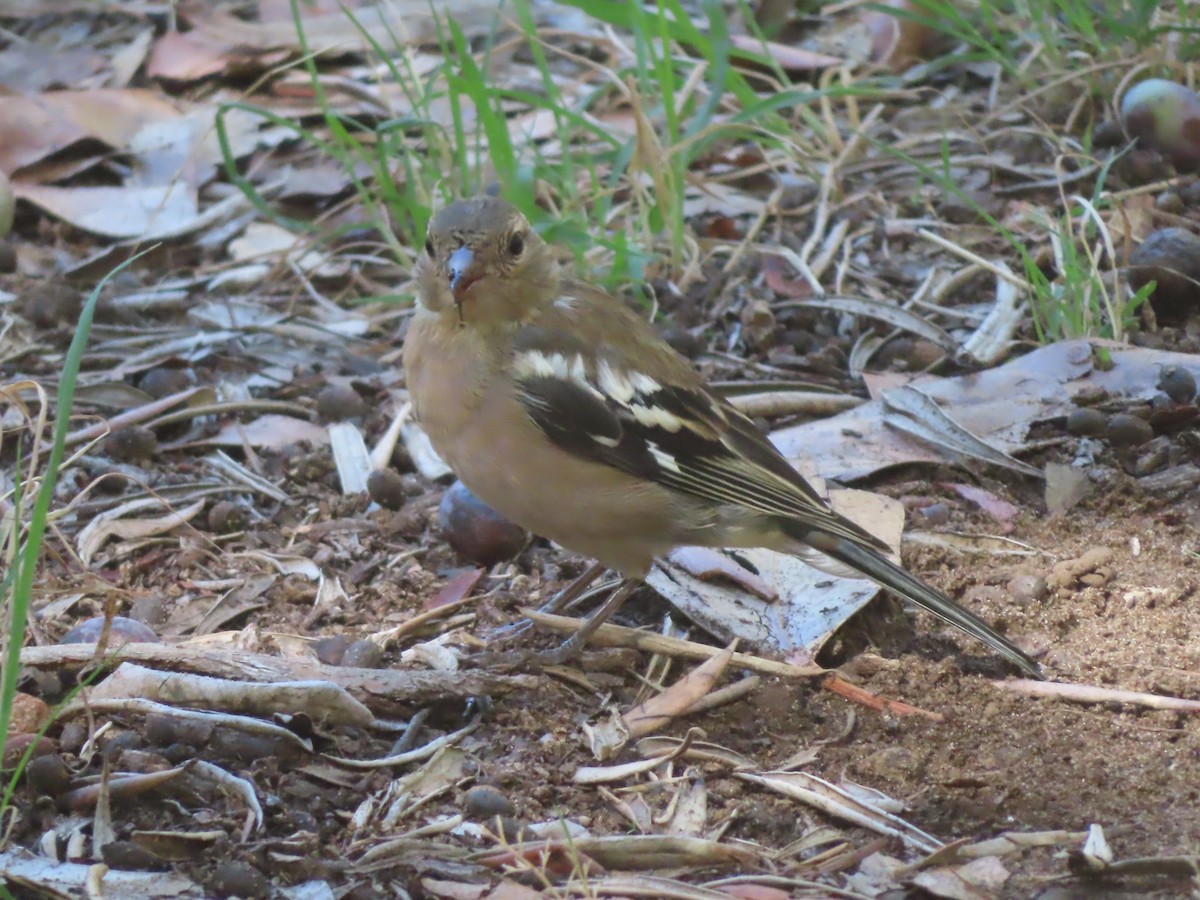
[
  {"x": 660, "y": 709},
  {"x": 36, "y": 126}
]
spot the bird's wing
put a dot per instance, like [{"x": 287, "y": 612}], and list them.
[{"x": 643, "y": 410}]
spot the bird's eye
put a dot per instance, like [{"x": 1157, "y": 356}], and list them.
[
  {"x": 516, "y": 244},
  {"x": 429, "y": 247}
]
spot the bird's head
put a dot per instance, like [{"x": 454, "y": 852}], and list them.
[{"x": 484, "y": 263}]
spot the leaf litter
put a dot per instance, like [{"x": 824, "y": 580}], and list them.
[{"x": 224, "y": 337}]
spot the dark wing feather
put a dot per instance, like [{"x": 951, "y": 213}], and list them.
[{"x": 595, "y": 404}]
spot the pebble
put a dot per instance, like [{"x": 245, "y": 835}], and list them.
[
  {"x": 892, "y": 764},
  {"x": 512, "y": 830},
  {"x": 115, "y": 746},
  {"x": 149, "y": 609},
  {"x": 73, "y": 736},
  {"x": 29, "y": 713},
  {"x": 46, "y": 305},
  {"x": 1155, "y": 457},
  {"x": 163, "y": 730},
  {"x": 931, "y": 516},
  {"x": 1028, "y": 588},
  {"x": 1108, "y": 133},
  {"x": 17, "y": 743}
]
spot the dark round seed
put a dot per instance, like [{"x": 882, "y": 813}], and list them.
[
  {"x": 135, "y": 444},
  {"x": 483, "y": 802},
  {"x": 1128, "y": 431},
  {"x": 1170, "y": 202},
  {"x": 387, "y": 488},
  {"x": 1178, "y": 383},
  {"x": 1160, "y": 402},
  {"x": 1086, "y": 422},
  {"x": 338, "y": 402},
  {"x": 363, "y": 654},
  {"x": 236, "y": 879},
  {"x": 475, "y": 530},
  {"x": 162, "y": 381},
  {"x": 511, "y": 828},
  {"x": 130, "y": 856},
  {"x": 682, "y": 341},
  {"x": 330, "y": 650},
  {"x": 48, "y": 775},
  {"x": 226, "y": 517}
]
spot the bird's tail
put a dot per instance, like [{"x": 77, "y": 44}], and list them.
[{"x": 886, "y": 573}]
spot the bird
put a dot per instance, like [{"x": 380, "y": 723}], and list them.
[{"x": 563, "y": 410}]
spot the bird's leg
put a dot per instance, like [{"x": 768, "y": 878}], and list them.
[
  {"x": 573, "y": 591},
  {"x": 556, "y": 604},
  {"x": 573, "y": 645}
]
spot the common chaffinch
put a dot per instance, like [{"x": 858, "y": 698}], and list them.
[{"x": 564, "y": 411}]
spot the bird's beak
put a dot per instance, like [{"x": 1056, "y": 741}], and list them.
[{"x": 462, "y": 275}]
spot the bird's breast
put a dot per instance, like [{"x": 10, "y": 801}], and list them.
[{"x": 446, "y": 376}]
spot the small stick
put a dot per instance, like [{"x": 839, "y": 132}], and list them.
[
  {"x": 853, "y": 692},
  {"x": 1086, "y": 693},
  {"x": 609, "y": 635}
]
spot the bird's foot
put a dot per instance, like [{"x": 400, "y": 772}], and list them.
[{"x": 556, "y": 604}]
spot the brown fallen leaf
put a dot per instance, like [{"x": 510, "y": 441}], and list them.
[
  {"x": 117, "y": 212},
  {"x": 191, "y": 56},
  {"x": 678, "y": 698},
  {"x": 979, "y": 879},
  {"x": 38, "y": 125},
  {"x": 777, "y": 274}
]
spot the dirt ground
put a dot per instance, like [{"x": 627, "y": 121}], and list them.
[
  {"x": 998, "y": 762},
  {"x": 241, "y": 336}
]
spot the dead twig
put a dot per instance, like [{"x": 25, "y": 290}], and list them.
[
  {"x": 1086, "y": 693},
  {"x": 608, "y": 635}
]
